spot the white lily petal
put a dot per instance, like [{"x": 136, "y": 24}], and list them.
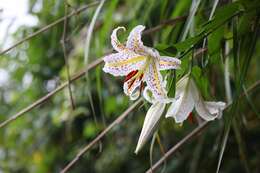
[
  {"x": 122, "y": 63},
  {"x": 166, "y": 63},
  {"x": 181, "y": 107},
  {"x": 203, "y": 112},
  {"x": 184, "y": 103},
  {"x": 154, "y": 81},
  {"x": 134, "y": 41},
  {"x": 202, "y": 109},
  {"x": 152, "y": 117},
  {"x": 131, "y": 85},
  {"x": 216, "y": 108},
  {"x": 115, "y": 42}
]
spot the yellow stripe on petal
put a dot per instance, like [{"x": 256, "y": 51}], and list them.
[
  {"x": 157, "y": 80},
  {"x": 166, "y": 63},
  {"x": 130, "y": 61},
  {"x": 121, "y": 64},
  {"x": 154, "y": 82}
]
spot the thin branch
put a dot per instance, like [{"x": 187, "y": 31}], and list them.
[
  {"x": 63, "y": 43},
  {"x": 76, "y": 12},
  {"x": 50, "y": 94},
  {"x": 191, "y": 135},
  {"x": 101, "y": 135}
]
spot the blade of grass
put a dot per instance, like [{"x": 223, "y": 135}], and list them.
[
  {"x": 227, "y": 75},
  {"x": 250, "y": 102},
  {"x": 162, "y": 151},
  {"x": 86, "y": 58},
  {"x": 152, "y": 148},
  {"x": 210, "y": 17},
  {"x": 100, "y": 40},
  {"x": 193, "y": 10},
  {"x": 241, "y": 146},
  {"x": 63, "y": 43}
]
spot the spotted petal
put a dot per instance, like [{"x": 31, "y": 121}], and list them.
[
  {"x": 134, "y": 41},
  {"x": 166, "y": 63},
  {"x": 122, "y": 63},
  {"x": 154, "y": 81},
  {"x": 115, "y": 42},
  {"x": 130, "y": 88}
]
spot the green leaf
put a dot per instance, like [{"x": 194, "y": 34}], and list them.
[
  {"x": 222, "y": 15},
  {"x": 169, "y": 50}
]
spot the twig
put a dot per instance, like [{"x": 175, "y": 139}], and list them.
[
  {"x": 191, "y": 135},
  {"x": 101, "y": 135},
  {"x": 63, "y": 43},
  {"x": 50, "y": 94},
  {"x": 49, "y": 26}
]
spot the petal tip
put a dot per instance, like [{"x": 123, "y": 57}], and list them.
[{"x": 137, "y": 150}]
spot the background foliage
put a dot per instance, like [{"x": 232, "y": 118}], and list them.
[{"x": 48, "y": 137}]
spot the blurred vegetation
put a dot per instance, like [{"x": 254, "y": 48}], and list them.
[{"x": 48, "y": 137}]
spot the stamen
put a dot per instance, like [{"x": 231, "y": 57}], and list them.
[
  {"x": 130, "y": 75},
  {"x": 141, "y": 87},
  {"x": 131, "y": 84}
]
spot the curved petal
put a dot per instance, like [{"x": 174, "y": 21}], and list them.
[
  {"x": 203, "y": 112},
  {"x": 115, "y": 42},
  {"x": 135, "y": 95},
  {"x": 201, "y": 107},
  {"x": 215, "y": 107},
  {"x": 130, "y": 87},
  {"x": 166, "y": 63},
  {"x": 184, "y": 103},
  {"x": 148, "y": 95},
  {"x": 134, "y": 41},
  {"x": 154, "y": 81},
  {"x": 151, "y": 119},
  {"x": 122, "y": 63}
]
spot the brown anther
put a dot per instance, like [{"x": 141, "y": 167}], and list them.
[{"x": 130, "y": 75}]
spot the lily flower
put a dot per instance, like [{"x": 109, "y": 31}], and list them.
[
  {"x": 139, "y": 64},
  {"x": 187, "y": 97}
]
